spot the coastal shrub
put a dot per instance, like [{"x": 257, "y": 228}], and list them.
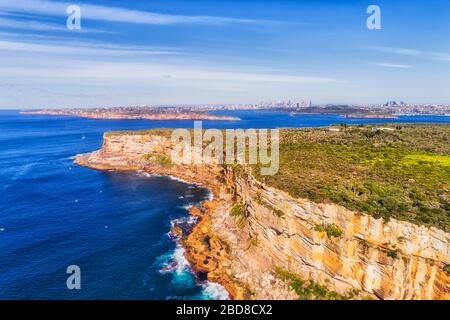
[
  {"x": 254, "y": 241},
  {"x": 151, "y": 132},
  {"x": 393, "y": 253},
  {"x": 237, "y": 211},
  {"x": 447, "y": 269},
  {"x": 279, "y": 213},
  {"x": 238, "y": 169},
  {"x": 310, "y": 290},
  {"x": 147, "y": 156},
  {"x": 402, "y": 174},
  {"x": 331, "y": 230},
  {"x": 159, "y": 159},
  {"x": 258, "y": 198}
]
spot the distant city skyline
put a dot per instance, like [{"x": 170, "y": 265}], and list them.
[{"x": 222, "y": 52}]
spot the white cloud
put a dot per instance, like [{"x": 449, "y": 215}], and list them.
[
  {"x": 400, "y": 51},
  {"x": 438, "y": 56},
  {"x": 51, "y": 81},
  {"x": 114, "y": 14},
  {"x": 31, "y": 25},
  {"x": 84, "y": 59},
  {"x": 126, "y": 72},
  {"x": 220, "y": 75},
  {"x": 441, "y": 56},
  {"x": 393, "y": 65},
  {"x": 39, "y": 26},
  {"x": 22, "y": 59},
  {"x": 81, "y": 48}
]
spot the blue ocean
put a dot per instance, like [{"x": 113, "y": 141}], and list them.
[{"x": 113, "y": 225}]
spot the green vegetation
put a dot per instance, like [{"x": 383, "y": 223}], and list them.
[
  {"x": 238, "y": 212},
  {"x": 278, "y": 212},
  {"x": 310, "y": 290},
  {"x": 415, "y": 159},
  {"x": 159, "y": 159},
  {"x": 269, "y": 207},
  {"x": 332, "y": 230},
  {"x": 239, "y": 169},
  {"x": 401, "y": 173},
  {"x": 393, "y": 253},
  {"x": 254, "y": 241},
  {"x": 150, "y": 132}
]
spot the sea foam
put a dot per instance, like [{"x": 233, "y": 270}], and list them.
[{"x": 215, "y": 291}]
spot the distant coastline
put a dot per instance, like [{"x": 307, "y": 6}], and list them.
[
  {"x": 205, "y": 112},
  {"x": 131, "y": 114},
  {"x": 372, "y": 116}
]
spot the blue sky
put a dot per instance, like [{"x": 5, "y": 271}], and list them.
[{"x": 189, "y": 52}]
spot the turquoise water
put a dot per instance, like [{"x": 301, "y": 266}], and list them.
[{"x": 113, "y": 225}]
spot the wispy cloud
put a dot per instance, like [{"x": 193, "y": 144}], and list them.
[
  {"x": 432, "y": 55},
  {"x": 133, "y": 72},
  {"x": 68, "y": 48},
  {"x": 116, "y": 14},
  {"x": 39, "y": 26},
  {"x": 393, "y": 65},
  {"x": 31, "y": 25},
  {"x": 441, "y": 56},
  {"x": 86, "y": 60},
  {"x": 400, "y": 51}
]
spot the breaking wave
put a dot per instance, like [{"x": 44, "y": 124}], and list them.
[{"x": 215, "y": 291}]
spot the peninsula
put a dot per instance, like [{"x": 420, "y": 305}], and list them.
[
  {"x": 391, "y": 110},
  {"x": 355, "y": 212},
  {"x": 126, "y": 113}
]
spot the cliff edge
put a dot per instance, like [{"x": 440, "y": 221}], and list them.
[{"x": 269, "y": 230}]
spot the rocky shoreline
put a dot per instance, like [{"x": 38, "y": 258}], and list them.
[
  {"x": 206, "y": 257},
  {"x": 394, "y": 260}
]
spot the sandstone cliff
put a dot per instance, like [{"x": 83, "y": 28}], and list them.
[{"x": 387, "y": 260}]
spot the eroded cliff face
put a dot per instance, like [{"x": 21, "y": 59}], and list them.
[
  {"x": 393, "y": 260},
  {"x": 388, "y": 260}
]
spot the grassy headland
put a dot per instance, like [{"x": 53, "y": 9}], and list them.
[
  {"x": 402, "y": 172},
  {"x": 397, "y": 171}
]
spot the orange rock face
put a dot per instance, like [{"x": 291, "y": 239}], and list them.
[{"x": 208, "y": 255}]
